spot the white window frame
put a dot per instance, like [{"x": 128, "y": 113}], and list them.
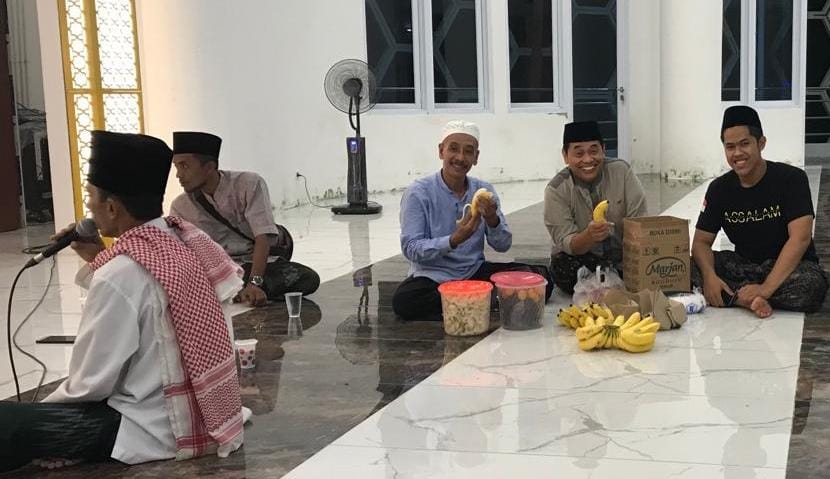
[
  {"x": 749, "y": 60},
  {"x": 562, "y": 64},
  {"x": 423, "y": 68}
]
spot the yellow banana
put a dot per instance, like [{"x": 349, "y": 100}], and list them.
[
  {"x": 623, "y": 344},
  {"x": 599, "y": 211},
  {"x": 635, "y": 334},
  {"x": 632, "y": 321},
  {"x": 637, "y": 339},
  {"x": 473, "y": 206},
  {"x": 597, "y": 311},
  {"x": 649, "y": 328},
  {"x": 592, "y": 341},
  {"x": 572, "y": 317},
  {"x": 586, "y": 332}
]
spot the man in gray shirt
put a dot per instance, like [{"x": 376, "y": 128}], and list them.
[
  {"x": 587, "y": 179},
  {"x": 241, "y": 198}
]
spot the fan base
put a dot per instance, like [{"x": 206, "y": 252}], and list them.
[{"x": 370, "y": 208}]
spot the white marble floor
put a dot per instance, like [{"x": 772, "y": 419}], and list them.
[
  {"x": 331, "y": 245},
  {"x": 713, "y": 399}
]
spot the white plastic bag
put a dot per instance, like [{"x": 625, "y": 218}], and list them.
[
  {"x": 694, "y": 302},
  {"x": 592, "y": 285}
]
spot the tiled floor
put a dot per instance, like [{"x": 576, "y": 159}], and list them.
[{"x": 375, "y": 397}]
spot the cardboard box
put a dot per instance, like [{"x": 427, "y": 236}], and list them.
[{"x": 656, "y": 254}]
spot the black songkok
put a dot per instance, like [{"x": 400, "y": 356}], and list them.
[
  {"x": 581, "y": 131},
  {"x": 740, "y": 115},
  {"x": 129, "y": 164},
  {"x": 196, "y": 142}
]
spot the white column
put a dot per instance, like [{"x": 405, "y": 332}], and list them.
[{"x": 55, "y": 103}]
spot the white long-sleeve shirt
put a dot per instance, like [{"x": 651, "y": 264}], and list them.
[{"x": 116, "y": 356}]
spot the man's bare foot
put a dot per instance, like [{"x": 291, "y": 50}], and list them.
[
  {"x": 55, "y": 462},
  {"x": 761, "y": 307}
]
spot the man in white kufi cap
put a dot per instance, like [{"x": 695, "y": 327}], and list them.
[{"x": 444, "y": 241}]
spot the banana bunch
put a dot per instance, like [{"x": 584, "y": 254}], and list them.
[
  {"x": 574, "y": 317},
  {"x": 473, "y": 207},
  {"x": 635, "y": 335},
  {"x": 599, "y": 212}
]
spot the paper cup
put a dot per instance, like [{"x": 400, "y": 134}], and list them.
[{"x": 246, "y": 349}]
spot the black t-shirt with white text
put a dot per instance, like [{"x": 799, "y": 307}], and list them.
[{"x": 755, "y": 219}]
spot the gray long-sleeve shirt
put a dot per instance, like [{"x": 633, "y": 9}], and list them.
[{"x": 569, "y": 207}]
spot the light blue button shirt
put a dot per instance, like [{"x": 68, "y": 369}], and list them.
[{"x": 429, "y": 211}]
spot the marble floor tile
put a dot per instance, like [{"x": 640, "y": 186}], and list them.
[
  {"x": 750, "y": 432},
  {"x": 380, "y": 462},
  {"x": 535, "y": 359}
]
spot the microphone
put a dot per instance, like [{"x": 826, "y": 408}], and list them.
[{"x": 84, "y": 229}]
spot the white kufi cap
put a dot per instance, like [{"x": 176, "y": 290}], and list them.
[{"x": 460, "y": 126}]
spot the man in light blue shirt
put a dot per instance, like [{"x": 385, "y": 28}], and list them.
[{"x": 439, "y": 240}]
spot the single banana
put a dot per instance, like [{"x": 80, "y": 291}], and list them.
[
  {"x": 473, "y": 206},
  {"x": 619, "y": 321},
  {"x": 623, "y": 344},
  {"x": 649, "y": 328},
  {"x": 599, "y": 211},
  {"x": 632, "y": 321},
  {"x": 638, "y": 339}
]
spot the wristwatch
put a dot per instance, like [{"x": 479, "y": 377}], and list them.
[{"x": 256, "y": 281}]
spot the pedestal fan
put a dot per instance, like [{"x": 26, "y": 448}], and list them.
[{"x": 350, "y": 87}]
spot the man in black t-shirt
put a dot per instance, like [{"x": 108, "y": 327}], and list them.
[{"x": 766, "y": 210}]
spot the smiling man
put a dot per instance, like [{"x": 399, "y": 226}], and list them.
[
  {"x": 587, "y": 179},
  {"x": 766, "y": 210},
  {"x": 443, "y": 243}
]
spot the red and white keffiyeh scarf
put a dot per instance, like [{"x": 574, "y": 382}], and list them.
[{"x": 201, "y": 388}]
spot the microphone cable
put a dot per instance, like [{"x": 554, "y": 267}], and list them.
[{"x": 11, "y": 339}]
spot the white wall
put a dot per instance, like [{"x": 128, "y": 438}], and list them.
[
  {"x": 24, "y": 46},
  {"x": 643, "y": 89},
  {"x": 55, "y": 104},
  {"x": 252, "y": 72},
  {"x": 690, "y": 108}
]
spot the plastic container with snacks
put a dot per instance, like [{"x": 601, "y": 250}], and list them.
[
  {"x": 521, "y": 299},
  {"x": 466, "y": 307}
]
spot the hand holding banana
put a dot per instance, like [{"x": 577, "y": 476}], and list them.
[
  {"x": 599, "y": 228},
  {"x": 473, "y": 208}
]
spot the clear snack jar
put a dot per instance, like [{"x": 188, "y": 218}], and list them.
[
  {"x": 466, "y": 307},
  {"x": 521, "y": 299}
]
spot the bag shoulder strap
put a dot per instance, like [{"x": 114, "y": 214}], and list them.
[{"x": 204, "y": 203}]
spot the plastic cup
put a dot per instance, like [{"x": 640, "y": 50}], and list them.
[
  {"x": 293, "y": 301},
  {"x": 295, "y": 328},
  {"x": 246, "y": 349},
  {"x": 521, "y": 299},
  {"x": 466, "y": 307}
]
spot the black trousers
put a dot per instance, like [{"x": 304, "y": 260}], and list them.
[
  {"x": 31, "y": 431},
  {"x": 804, "y": 290},
  {"x": 283, "y": 276},
  {"x": 417, "y": 298},
  {"x": 563, "y": 268}
]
